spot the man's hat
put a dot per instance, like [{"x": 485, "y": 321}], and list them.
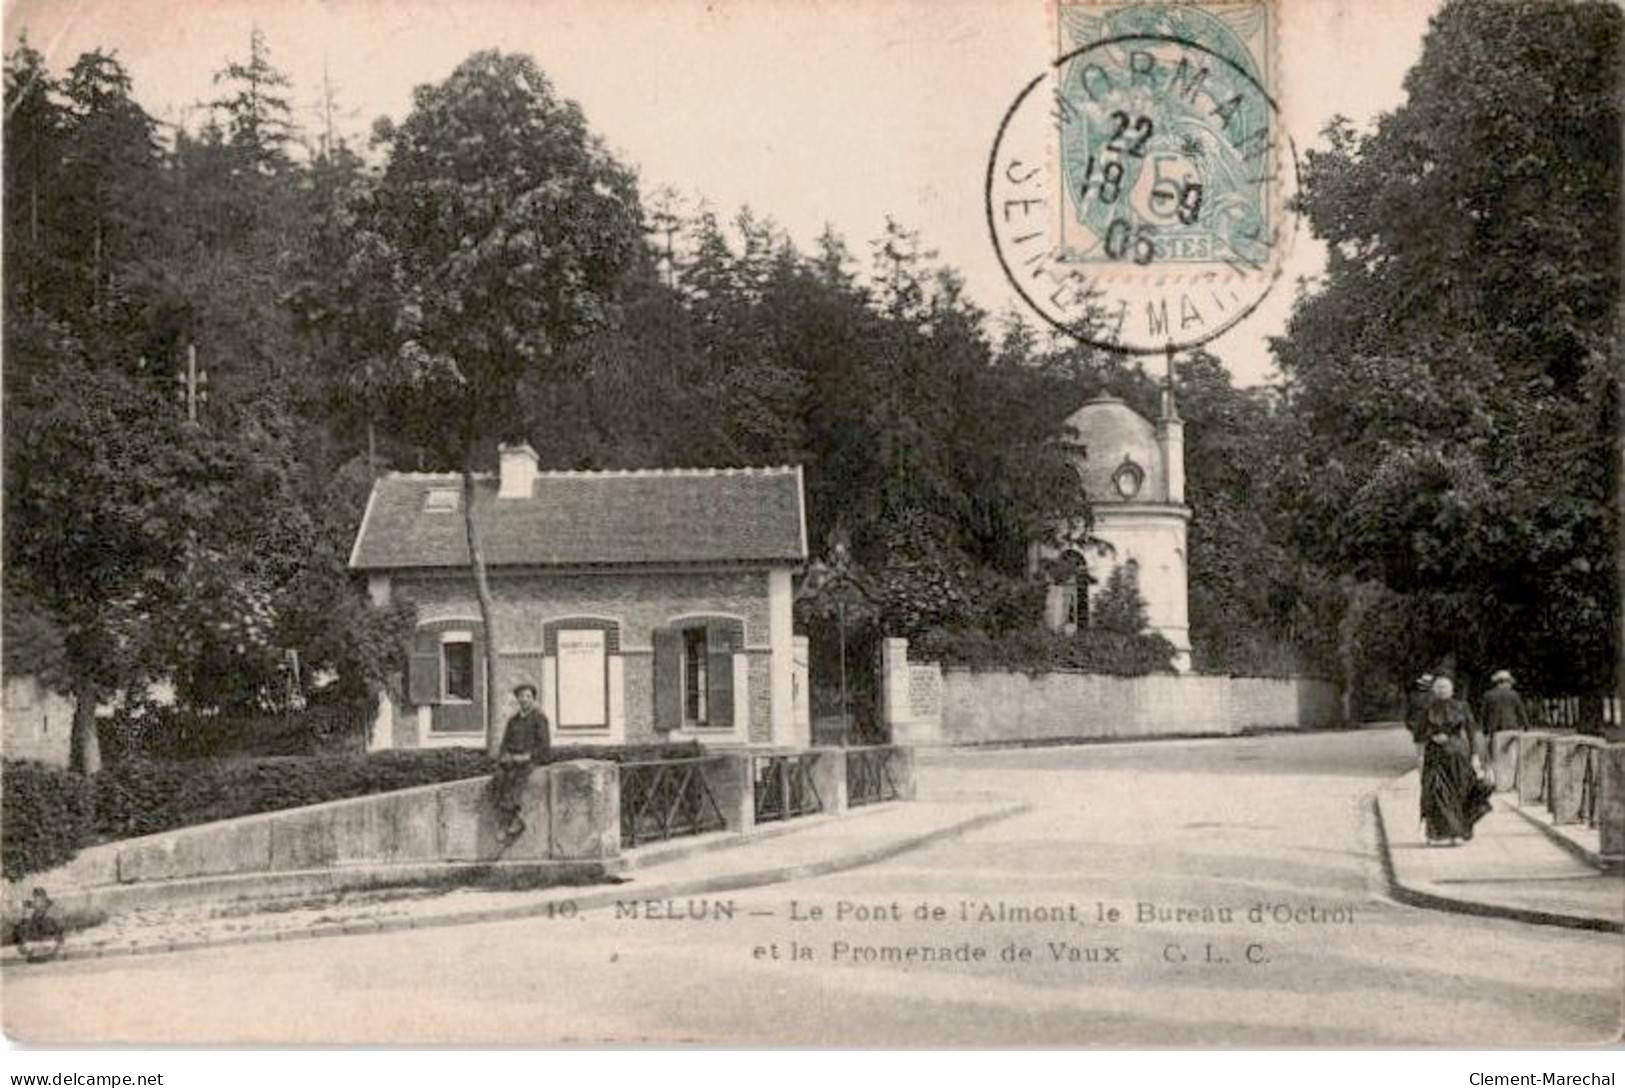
[
  {"x": 1501, "y": 677},
  {"x": 526, "y": 686},
  {"x": 1425, "y": 680}
]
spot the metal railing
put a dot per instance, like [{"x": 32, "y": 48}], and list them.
[
  {"x": 666, "y": 799},
  {"x": 784, "y": 787},
  {"x": 1591, "y": 785},
  {"x": 1568, "y": 712},
  {"x": 869, "y": 777}
]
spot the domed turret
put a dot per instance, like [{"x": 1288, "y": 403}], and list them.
[
  {"x": 1120, "y": 459},
  {"x": 1133, "y": 472}
]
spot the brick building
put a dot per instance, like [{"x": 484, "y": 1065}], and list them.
[{"x": 644, "y": 605}]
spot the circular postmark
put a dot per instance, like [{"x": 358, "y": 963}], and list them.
[{"x": 1143, "y": 204}]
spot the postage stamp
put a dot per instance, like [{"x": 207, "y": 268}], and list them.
[{"x": 1139, "y": 192}]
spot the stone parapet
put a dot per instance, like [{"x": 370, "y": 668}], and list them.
[
  {"x": 1611, "y": 800},
  {"x": 1504, "y": 760},
  {"x": 1534, "y": 749},
  {"x": 1571, "y": 758}
]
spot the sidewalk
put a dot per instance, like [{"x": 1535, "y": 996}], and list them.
[
  {"x": 1511, "y": 868},
  {"x": 700, "y": 865}
]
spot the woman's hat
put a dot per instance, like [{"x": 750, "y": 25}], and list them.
[
  {"x": 1425, "y": 680},
  {"x": 1501, "y": 676}
]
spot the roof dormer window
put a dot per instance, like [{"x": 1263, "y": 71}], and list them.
[{"x": 440, "y": 500}]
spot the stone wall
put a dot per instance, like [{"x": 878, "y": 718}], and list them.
[
  {"x": 991, "y": 707},
  {"x": 571, "y": 811},
  {"x": 38, "y": 722}
]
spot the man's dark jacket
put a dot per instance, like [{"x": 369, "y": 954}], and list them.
[
  {"x": 1504, "y": 711},
  {"x": 526, "y": 735}
]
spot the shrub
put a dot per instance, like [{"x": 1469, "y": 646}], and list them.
[
  {"x": 1036, "y": 650},
  {"x": 145, "y": 797},
  {"x": 45, "y": 817},
  {"x": 156, "y": 732}
]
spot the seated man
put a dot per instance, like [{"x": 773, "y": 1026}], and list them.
[{"x": 524, "y": 742}]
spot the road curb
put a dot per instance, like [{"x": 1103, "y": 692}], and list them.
[
  {"x": 1599, "y": 862},
  {"x": 594, "y": 900},
  {"x": 1413, "y": 897}
]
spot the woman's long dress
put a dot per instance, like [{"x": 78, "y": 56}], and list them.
[{"x": 1453, "y": 799}]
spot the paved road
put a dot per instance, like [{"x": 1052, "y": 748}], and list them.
[{"x": 1182, "y": 839}]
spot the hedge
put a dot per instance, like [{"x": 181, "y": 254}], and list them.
[
  {"x": 1037, "y": 651},
  {"x": 46, "y": 815},
  {"x": 173, "y": 733},
  {"x": 145, "y": 797},
  {"x": 49, "y": 815}
]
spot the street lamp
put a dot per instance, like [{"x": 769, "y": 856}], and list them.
[{"x": 835, "y": 577}]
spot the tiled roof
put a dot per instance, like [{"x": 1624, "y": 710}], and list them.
[{"x": 751, "y": 515}]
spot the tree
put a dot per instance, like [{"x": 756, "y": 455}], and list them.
[
  {"x": 259, "y": 122},
  {"x": 512, "y": 227},
  {"x": 110, "y": 162},
  {"x": 90, "y": 518},
  {"x": 1456, "y": 380},
  {"x": 34, "y": 125}
]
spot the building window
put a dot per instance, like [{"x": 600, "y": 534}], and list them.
[
  {"x": 1128, "y": 478},
  {"x": 457, "y": 667},
  {"x": 695, "y": 661}
]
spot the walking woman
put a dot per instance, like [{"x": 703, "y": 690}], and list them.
[{"x": 1453, "y": 799}]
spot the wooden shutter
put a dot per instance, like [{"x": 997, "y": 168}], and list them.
[
  {"x": 719, "y": 675},
  {"x": 469, "y": 717},
  {"x": 423, "y": 668},
  {"x": 668, "y": 678}
]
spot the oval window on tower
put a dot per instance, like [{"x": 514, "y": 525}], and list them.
[{"x": 1128, "y": 478}]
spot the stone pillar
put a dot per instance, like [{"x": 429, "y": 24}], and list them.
[
  {"x": 894, "y": 684},
  {"x": 380, "y": 734},
  {"x": 1611, "y": 801},
  {"x": 733, "y": 786},
  {"x": 1532, "y": 749},
  {"x": 829, "y": 778},
  {"x": 1504, "y": 757},
  {"x": 1569, "y": 756},
  {"x": 800, "y": 655},
  {"x": 902, "y": 770},
  {"x": 584, "y": 799}
]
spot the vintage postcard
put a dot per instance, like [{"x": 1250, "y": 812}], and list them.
[{"x": 956, "y": 524}]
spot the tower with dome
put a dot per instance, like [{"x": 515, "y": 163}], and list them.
[{"x": 1133, "y": 471}]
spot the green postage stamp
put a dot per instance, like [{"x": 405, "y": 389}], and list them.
[{"x": 1139, "y": 191}]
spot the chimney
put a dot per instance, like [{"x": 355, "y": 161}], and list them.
[{"x": 518, "y": 471}]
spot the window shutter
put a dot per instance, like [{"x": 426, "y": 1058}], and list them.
[
  {"x": 719, "y": 675},
  {"x": 423, "y": 669},
  {"x": 668, "y": 667}
]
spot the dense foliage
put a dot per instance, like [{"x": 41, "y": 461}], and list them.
[
  {"x": 140, "y": 545},
  {"x": 1453, "y": 387},
  {"x": 47, "y": 815}
]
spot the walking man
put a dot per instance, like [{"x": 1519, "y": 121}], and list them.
[
  {"x": 524, "y": 742},
  {"x": 1503, "y": 707}
]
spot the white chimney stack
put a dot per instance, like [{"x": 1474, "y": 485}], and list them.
[{"x": 518, "y": 471}]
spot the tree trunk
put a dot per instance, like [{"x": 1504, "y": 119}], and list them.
[
  {"x": 84, "y": 749},
  {"x": 482, "y": 589}
]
